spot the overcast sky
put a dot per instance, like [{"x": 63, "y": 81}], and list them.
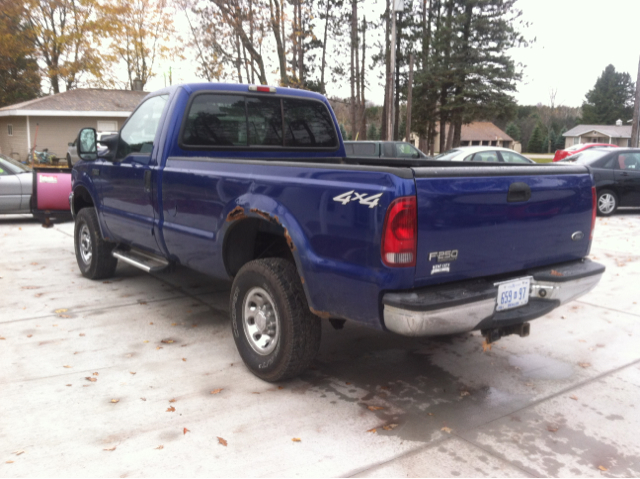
[{"x": 575, "y": 41}]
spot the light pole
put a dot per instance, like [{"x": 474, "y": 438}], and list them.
[{"x": 396, "y": 6}]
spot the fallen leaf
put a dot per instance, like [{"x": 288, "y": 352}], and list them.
[
  {"x": 110, "y": 449},
  {"x": 194, "y": 325},
  {"x": 555, "y": 273},
  {"x": 151, "y": 323},
  {"x": 18, "y": 452},
  {"x": 132, "y": 372},
  {"x": 389, "y": 427},
  {"x": 296, "y": 439},
  {"x": 374, "y": 408},
  {"x": 221, "y": 441},
  {"x": 372, "y": 430},
  {"x": 143, "y": 302},
  {"x": 575, "y": 398},
  {"x": 486, "y": 346},
  {"x": 66, "y": 366},
  {"x": 174, "y": 324},
  {"x": 115, "y": 401},
  {"x": 184, "y": 359},
  {"x": 160, "y": 447},
  {"x": 81, "y": 334},
  {"x": 61, "y": 310},
  {"x": 145, "y": 341},
  {"x": 584, "y": 365},
  {"x": 96, "y": 374},
  {"x": 93, "y": 380},
  {"x": 30, "y": 287},
  {"x": 34, "y": 263},
  {"x": 171, "y": 409},
  {"x": 602, "y": 468},
  {"x": 2, "y": 337},
  {"x": 9, "y": 462},
  {"x": 67, "y": 384},
  {"x": 429, "y": 414},
  {"x": 216, "y": 391},
  {"x": 144, "y": 399},
  {"x": 255, "y": 393},
  {"x": 172, "y": 400},
  {"x": 280, "y": 387},
  {"x": 29, "y": 335},
  {"x": 552, "y": 428},
  {"x": 167, "y": 341},
  {"x": 159, "y": 347},
  {"x": 347, "y": 383},
  {"x": 464, "y": 393},
  {"x": 185, "y": 430},
  {"x": 446, "y": 429}
]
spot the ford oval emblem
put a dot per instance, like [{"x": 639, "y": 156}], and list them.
[{"x": 577, "y": 236}]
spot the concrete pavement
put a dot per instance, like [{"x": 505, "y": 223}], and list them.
[{"x": 138, "y": 376}]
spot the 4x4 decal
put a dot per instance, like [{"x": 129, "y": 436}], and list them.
[{"x": 371, "y": 201}]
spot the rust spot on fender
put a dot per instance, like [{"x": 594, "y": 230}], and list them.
[
  {"x": 290, "y": 243},
  {"x": 320, "y": 314},
  {"x": 301, "y": 279},
  {"x": 236, "y": 214},
  {"x": 265, "y": 215}
]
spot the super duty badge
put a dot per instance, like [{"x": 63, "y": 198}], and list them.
[{"x": 443, "y": 260}]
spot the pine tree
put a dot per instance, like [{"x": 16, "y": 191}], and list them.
[
  {"x": 611, "y": 99},
  {"x": 372, "y": 132},
  {"x": 536, "y": 141},
  {"x": 513, "y": 131},
  {"x": 560, "y": 141}
]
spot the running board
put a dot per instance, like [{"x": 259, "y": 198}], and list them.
[{"x": 144, "y": 261}]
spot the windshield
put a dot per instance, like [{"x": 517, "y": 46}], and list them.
[
  {"x": 586, "y": 157},
  {"x": 447, "y": 155},
  {"x": 14, "y": 166}
]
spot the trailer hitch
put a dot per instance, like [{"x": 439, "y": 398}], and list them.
[{"x": 493, "y": 334}]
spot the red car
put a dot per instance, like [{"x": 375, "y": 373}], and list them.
[{"x": 572, "y": 150}]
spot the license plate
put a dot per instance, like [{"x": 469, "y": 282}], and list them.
[{"x": 512, "y": 294}]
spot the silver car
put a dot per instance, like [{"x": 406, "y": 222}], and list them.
[
  {"x": 16, "y": 182},
  {"x": 484, "y": 154}
]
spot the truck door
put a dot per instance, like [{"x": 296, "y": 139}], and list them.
[
  {"x": 627, "y": 177},
  {"x": 128, "y": 201}
]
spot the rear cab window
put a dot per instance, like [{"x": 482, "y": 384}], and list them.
[{"x": 240, "y": 121}]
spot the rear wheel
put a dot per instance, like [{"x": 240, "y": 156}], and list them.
[
  {"x": 607, "y": 202},
  {"x": 93, "y": 253},
  {"x": 275, "y": 333}
]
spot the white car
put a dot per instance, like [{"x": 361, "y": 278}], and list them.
[
  {"x": 16, "y": 182},
  {"x": 485, "y": 154}
]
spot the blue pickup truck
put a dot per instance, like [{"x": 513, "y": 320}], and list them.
[{"x": 252, "y": 184}]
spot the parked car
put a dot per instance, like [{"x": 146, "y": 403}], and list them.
[
  {"x": 251, "y": 184},
  {"x": 484, "y": 154},
  {"x": 616, "y": 173},
  {"x": 572, "y": 150},
  {"x": 72, "y": 153},
  {"x": 16, "y": 183},
  {"x": 383, "y": 149}
]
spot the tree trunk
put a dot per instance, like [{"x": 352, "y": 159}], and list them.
[
  {"x": 409, "y": 99},
  {"x": 324, "y": 47},
  {"x": 279, "y": 37},
  {"x": 384, "y": 131},
  {"x": 353, "y": 66},
  {"x": 363, "y": 119}
]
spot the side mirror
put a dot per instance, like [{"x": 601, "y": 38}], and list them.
[{"x": 87, "y": 144}]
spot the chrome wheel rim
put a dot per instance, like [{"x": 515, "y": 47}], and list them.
[
  {"x": 606, "y": 203},
  {"x": 260, "y": 321},
  {"x": 85, "y": 244}
]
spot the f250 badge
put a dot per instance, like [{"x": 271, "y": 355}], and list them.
[
  {"x": 443, "y": 260},
  {"x": 371, "y": 201}
]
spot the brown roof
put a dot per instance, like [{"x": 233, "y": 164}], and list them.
[
  {"x": 482, "y": 131},
  {"x": 91, "y": 99}
]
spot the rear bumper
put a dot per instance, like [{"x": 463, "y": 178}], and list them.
[{"x": 471, "y": 305}]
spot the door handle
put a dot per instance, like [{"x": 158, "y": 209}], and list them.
[
  {"x": 147, "y": 181},
  {"x": 518, "y": 192}
]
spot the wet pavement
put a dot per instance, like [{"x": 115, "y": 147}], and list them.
[{"x": 138, "y": 376}]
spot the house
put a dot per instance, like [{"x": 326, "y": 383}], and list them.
[
  {"x": 476, "y": 134},
  {"x": 617, "y": 134},
  {"x": 54, "y": 121}
]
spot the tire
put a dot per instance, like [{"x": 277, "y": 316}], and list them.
[
  {"x": 607, "y": 203},
  {"x": 276, "y": 334},
  {"x": 92, "y": 252}
]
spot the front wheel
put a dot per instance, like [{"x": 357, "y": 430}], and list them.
[
  {"x": 275, "y": 333},
  {"x": 93, "y": 253},
  {"x": 607, "y": 202}
]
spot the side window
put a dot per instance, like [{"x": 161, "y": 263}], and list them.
[
  {"x": 308, "y": 124},
  {"x": 629, "y": 161},
  {"x": 486, "y": 157},
  {"x": 364, "y": 149},
  {"x": 405, "y": 151},
  {"x": 510, "y": 157},
  {"x": 216, "y": 120},
  {"x": 468, "y": 158},
  {"x": 264, "y": 117},
  {"x": 138, "y": 134},
  {"x": 3, "y": 172}
]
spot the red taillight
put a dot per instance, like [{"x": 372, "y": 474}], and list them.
[
  {"x": 594, "y": 206},
  {"x": 262, "y": 88},
  {"x": 400, "y": 233}
]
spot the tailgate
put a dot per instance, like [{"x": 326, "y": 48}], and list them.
[{"x": 482, "y": 221}]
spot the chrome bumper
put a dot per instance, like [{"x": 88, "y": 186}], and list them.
[{"x": 471, "y": 305}]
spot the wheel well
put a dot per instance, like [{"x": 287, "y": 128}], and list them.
[
  {"x": 253, "y": 238},
  {"x": 81, "y": 199}
]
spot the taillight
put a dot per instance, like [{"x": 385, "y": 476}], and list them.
[
  {"x": 400, "y": 233},
  {"x": 262, "y": 88},
  {"x": 594, "y": 207}
]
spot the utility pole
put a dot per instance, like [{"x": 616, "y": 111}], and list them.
[
  {"x": 636, "y": 112},
  {"x": 409, "y": 96},
  {"x": 392, "y": 61}
]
